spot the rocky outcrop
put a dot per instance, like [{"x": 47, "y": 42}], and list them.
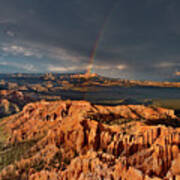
[
  {"x": 93, "y": 79},
  {"x": 12, "y": 101},
  {"x": 177, "y": 73},
  {"x": 16, "y": 97},
  {"x": 7, "y": 108},
  {"x": 78, "y": 142}
]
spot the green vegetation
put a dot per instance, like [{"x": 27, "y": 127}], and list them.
[
  {"x": 67, "y": 161},
  {"x": 110, "y": 119},
  {"x": 11, "y": 153},
  {"x": 38, "y": 166},
  {"x": 3, "y": 134},
  {"x": 57, "y": 159},
  {"x": 120, "y": 121},
  {"x": 109, "y": 102}
]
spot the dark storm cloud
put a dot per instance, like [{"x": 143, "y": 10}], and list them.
[
  {"x": 140, "y": 37},
  {"x": 70, "y": 24}
]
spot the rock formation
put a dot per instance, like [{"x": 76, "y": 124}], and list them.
[
  {"x": 12, "y": 101},
  {"x": 7, "y": 108},
  {"x": 16, "y": 97},
  {"x": 177, "y": 73},
  {"x": 78, "y": 140}
]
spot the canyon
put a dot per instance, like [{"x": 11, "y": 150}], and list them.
[{"x": 80, "y": 140}]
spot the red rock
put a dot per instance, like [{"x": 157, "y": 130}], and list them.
[
  {"x": 175, "y": 167},
  {"x": 77, "y": 144}
]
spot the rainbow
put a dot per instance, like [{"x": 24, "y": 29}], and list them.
[{"x": 99, "y": 37}]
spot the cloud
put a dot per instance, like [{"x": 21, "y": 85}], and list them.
[
  {"x": 10, "y": 33},
  {"x": 6, "y": 21},
  {"x": 121, "y": 67},
  {"x": 40, "y": 50},
  {"x": 59, "y": 53},
  {"x": 103, "y": 67},
  {"x": 143, "y": 47},
  {"x": 84, "y": 67},
  {"x": 20, "y": 50},
  {"x": 108, "y": 67},
  {"x": 167, "y": 64},
  {"x": 65, "y": 69},
  {"x": 3, "y": 63},
  {"x": 62, "y": 60},
  {"x": 25, "y": 66}
]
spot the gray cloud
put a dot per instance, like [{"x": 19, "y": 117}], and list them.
[
  {"x": 140, "y": 37},
  {"x": 25, "y": 66}
]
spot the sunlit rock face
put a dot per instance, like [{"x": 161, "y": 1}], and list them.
[
  {"x": 7, "y": 108},
  {"x": 177, "y": 73},
  {"x": 87, "y": 75},
  {"x": 78, "y": 140},
  {"x": 11, "y": 101},
  {"x": 16, "y": 97}
]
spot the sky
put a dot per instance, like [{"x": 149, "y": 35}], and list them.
[{"x": 137, "y": 39}]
